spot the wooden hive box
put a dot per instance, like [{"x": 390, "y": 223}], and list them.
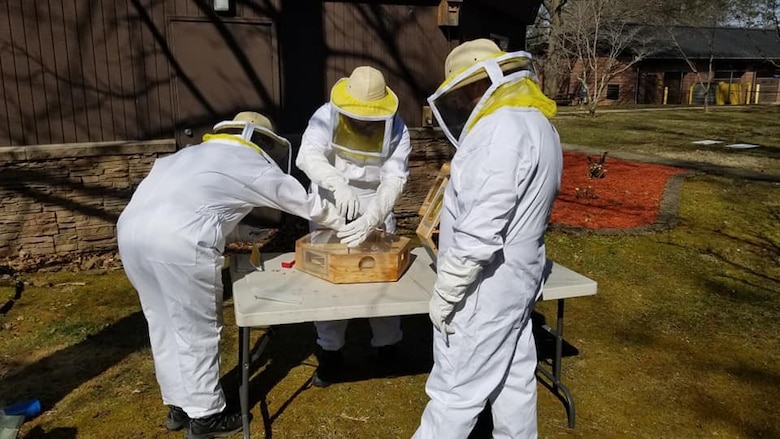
[{"x": 382, "y": 258}]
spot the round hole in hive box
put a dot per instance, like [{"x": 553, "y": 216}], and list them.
[{"x": 366, "y": 263}]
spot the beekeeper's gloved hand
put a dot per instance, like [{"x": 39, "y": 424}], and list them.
[
  {"x": 347, "y": 200},
  {"x": 322, "y": 173},
  {"x": 440, "y": 311},
  {"x": 454, "y": 276},
  {"x": 354, "y": 233},
  {"x": 327, "y": 215}
]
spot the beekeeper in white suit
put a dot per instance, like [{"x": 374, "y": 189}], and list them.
[
  {"x": 505, "y": 176},
  {"x": 355, "y": 150},
  {"x": 171, "y": 237}
]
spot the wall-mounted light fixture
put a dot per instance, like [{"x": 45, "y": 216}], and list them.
[{"x": 221, "y": 5}]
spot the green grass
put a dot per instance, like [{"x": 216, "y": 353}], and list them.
[
  {"x": 681, "y": 341},
  {"x": 651, "y": 132}
]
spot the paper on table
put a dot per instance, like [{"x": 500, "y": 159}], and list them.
[{"x": 289, "y": 296}]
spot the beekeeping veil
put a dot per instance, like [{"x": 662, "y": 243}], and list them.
[
  {"x": 363, "y": 111},
  {"x": 256, "y": 131},
  {"x": 480, "y": 79}
]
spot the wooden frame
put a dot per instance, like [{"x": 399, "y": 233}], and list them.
[{"x": 430, "y": 211}]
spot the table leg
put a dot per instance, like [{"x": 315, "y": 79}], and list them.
[
  {"x": 248, "y": 357},
  {"x": 558, "y": 387},
  {"x": 243, "y": 391},
  {"x": 569, "y": 401}
]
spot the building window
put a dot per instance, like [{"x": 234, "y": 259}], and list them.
[{"x": 613, "y": 92}]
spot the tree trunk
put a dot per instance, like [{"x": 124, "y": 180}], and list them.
[{"x": 552, "y": 66}]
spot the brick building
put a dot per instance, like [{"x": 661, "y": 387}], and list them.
[{"x": 745, "y": 69}]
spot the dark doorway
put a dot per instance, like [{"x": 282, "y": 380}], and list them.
[
  {"x": 649, "y": 89},
  {"x": 673, "y": 85}
]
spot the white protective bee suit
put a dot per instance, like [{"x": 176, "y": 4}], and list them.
[
  {"x": 504, "y": 178},
  {"x": 171, "y": 238},
  {"x": 362, "y": 175}
]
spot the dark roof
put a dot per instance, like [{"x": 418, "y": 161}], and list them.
[{"x": 721, "y": 42}]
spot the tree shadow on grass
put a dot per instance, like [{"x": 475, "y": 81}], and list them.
[
  {"x": 57, "y": 433},
  {"x": 290, "y": 346},
  {"x": 52, "y": 378},
  {"x": 720, "y": 366}
]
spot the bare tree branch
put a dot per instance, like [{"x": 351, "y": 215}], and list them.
[{"x": 603, "y": 39}]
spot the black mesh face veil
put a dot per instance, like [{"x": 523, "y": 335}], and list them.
[
  {"x": 279, "y": 152},
  {"x": 462, "y": 95},
  {"x": 272, "y": 146},
  {"x": 456, "y": 105}
]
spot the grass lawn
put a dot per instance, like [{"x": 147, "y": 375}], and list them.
[
  {"x": 668, "y": 134},
  {"x": 681, "y": 341}
]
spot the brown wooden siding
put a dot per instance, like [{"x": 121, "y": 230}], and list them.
[
  {"x": 83, "y": 71},
  {"x": 102, "y": 70},
  {"x": 402, "y": 41}
]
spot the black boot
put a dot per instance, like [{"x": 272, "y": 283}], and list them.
[
  {"x": 387, "y": 360},
  {"x": 177, "y": 419},
  {"x": 218, "y": 425},
  {"x": 329, "y": 369}
]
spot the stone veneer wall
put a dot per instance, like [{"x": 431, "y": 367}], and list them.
[
  {"x": 62, "y": 201},
  {"x": 430, "y": 149}
]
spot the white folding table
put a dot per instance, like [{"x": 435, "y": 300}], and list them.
[{"x": 279, "y": 295}]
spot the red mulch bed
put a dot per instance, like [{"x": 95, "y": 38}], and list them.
[{"x": 628, "y": 196}]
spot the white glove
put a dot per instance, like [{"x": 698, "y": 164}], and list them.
[
  {"x": 440, "y": 311},
  {"x": 453, "y": 277},
  {"x": 347, "y": 200},
  {"x": 322, "y": 173},
  {"x": 381, "y": 205},
  {"x": 328, "y": 216},
  {"x": 354, "y": 233}
]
